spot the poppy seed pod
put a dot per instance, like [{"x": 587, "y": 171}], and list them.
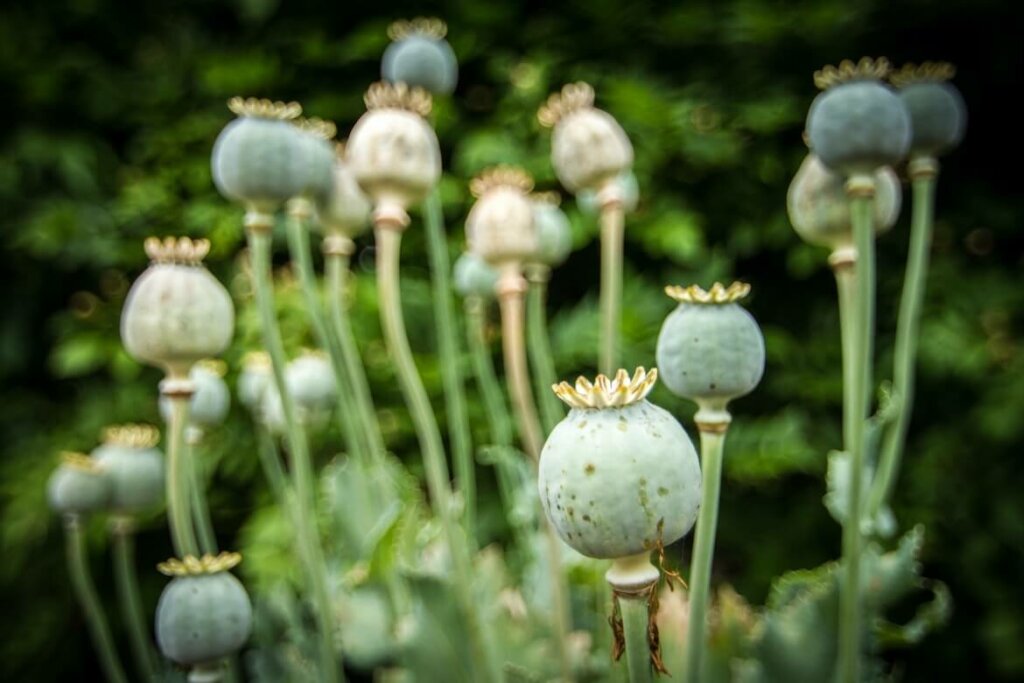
[
  {"x": 204, "y": 613},
  {"x": 420, "y": 56},
  {"x": 347, "y": 211},
  {"x": 554, "y": 234},
  {"x": 392, "y": 151},
  {"x": 499, "y": 227},
  {"x": 78, "y": 486},
  {"x": 618, "y": 476},
  {"x": 315, "y": 150},
  {"x": 134, "y": 465},
  {"x": 472, "y": 276},
  {"x": 628, "y": 191},
  {"x": 858, "y": 123},
  {"x": 588, "y": 146},
  {"x": 937, "y": 111},
  {"x": 256, "y": 159},
  {"x": 310, "y": 381},
  {"x": 176, "y": 312},
  {"x": 819, "y": 207},
  {"x": 211, "y": 400},
  {"x": 709, "y": 347},
  {"x": 253, "y": 380}
]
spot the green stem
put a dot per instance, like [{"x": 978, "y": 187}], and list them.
[
  {"x": 179, "y": 515},
  {"x": 388, "y": 241},
  {"x": 539, "y": 344},
  {"x": 846, "y": 289},
  {"x": 127, "y": 582},
  {"x": 451, "y": 361},
  {"x": 270, "y": 460},
  {"x": 638, "y": 650},
  {"x": 491, "y": 392},
  {"x": 612, "y": 227},
  {"x": 307, "y": 536},
  {"x": 907, "y": 329},
  {"x": 511, "y": 288},
  {"x": 85, "y": 592},
  {"x": 200, "y": 509}
]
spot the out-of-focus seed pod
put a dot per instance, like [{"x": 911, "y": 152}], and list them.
[
  {"x": 628, "y": 190},
  {"x": 310, "y": 381},
  {"x": 551, "y": 226},
  {"x": 420, "y": 56},
  {"x": 472, "y": 276},
  {"x": 176, "y": 312},
  {"x": 710, "y": 348},
  {"x": 211, "y": 400},
  {"x": 618, "y": 476},
  {"x": 858, "y": 123},
  {"x": 134, "y": 465},
  {"x": 819, "y": 207},
  {"x": 588, "y": 146},
  {"x": 78, "y": 486},
  {"x": 315, "y": 151},
  {"x": 937, "y": 111},
  {"x": 347, "y": 212},
  {"x": 253, "y": 380},
  {"x": 499, "y": 227}
]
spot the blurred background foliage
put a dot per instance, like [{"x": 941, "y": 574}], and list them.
[{"x": 112, "y": 109}]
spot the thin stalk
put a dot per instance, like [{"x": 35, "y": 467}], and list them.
[
  {"x": 451, "y": 367},
  {"x": 907, "y": 328},
  {"x": 510, "y": 298},
  {"x": 270, "y": 461},
  {"x": 126, "y": 580},
  {"x": 846, "y": 290},
  {"x": 612, "y": 228},
  {"x": 483, "y": 367},
  {"x": 634, "y": 628},
  {"x": 85, "y": 592},
  {"x": 307, "y": 536},
  {"x": 179, "y": 513},
  {"x": 388, "y": 241},
  {"x": 197, "y": 495},
  {"x": 539, "y": 344}
]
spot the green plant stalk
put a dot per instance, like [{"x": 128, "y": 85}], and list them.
[
  {"x": 907, "y": 328},
  {"x": 612, "y": 228},
  {"x": 850, "y": 612},
  {"x": 197, "y": 495},
  {"x": 711, "y": 448},
  {"x": 270, "y": 460},
  {"x": 307, "y": 536},
  {"x": 126, "y": 581},
  {"x": 451, "y": 361},
  {"x": 845, "y": 288},
  {"x": 634, "y": 627},
  {"x": 388, "y": 240},
  {"x": 483, "y": 367},
  {"x": 539, "y": 345},
  {"x": 179, "y": 514},
  {"x": 85, "y": 592},
  {"x": 352, "y": 430}
]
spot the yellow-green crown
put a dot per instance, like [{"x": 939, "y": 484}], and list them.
[
  {"x": 550, "y": 197},
  {"x": 325, "y": 130},
  {"x": 925, "y": 72},
  {"x": 384, "y": 95},
  {"x": 79, "y": 461},
  {"x": 253, "y": 359},
  {"x": 179, "y": 250},
  {"x": 429, "y": 27},
  {"x": 866, "y": 69},
  {"x": 718, "y": 294},
  {"x": 190, "y": 565},
  {"x": 138, "y": 436},
  {"x": 573, "y": 97},
  {"x": 501, "y": 176},
  {"x": 607, "y": 393},
  {"x": 214, "y": 366},
  {"x": 264, "y": 109}
]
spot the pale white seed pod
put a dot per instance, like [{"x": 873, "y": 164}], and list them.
[
  {"x": 253, "y": 380},
  {"x": 176, "y": 312},
  {"x": 348, "y": 209},
  {"x": 311, "y": 383},
  {"x": 553, "y": 230},
  {"x": 500, "y": 226},
  {"x": 211, "y": 399}
]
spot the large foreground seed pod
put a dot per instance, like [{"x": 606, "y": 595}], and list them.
[
  {"x": 256, "y": 375},
  {"x": 134, "y": 465},
  {"x": 627, "y": 187},
  {"x": 500, "y": 227},
  {"x": 551, "y": 226},
  {"x": 176, "y": 313},
  {"x": 204, "y": 613},
  {"x": 858, "y": 123},
  {"x": 619, "y": 475},
  {"x": 315, "y": 150},
  {"x": 420, "y": 56},
  {"x": 588, "y": 146},
  {"x": 472, "y": 276},
  {"x": 78, "y": 486},
  {"x": 819, "y": 207},
  {"x": 710, "y": 347},
  {"x": 211, "y": 399},
  {"x": 347, "y": 211},
  {"x": 937, "y": 111},
  {"x": 392, "y": 151},
  {"x": 256, "y": 159}
]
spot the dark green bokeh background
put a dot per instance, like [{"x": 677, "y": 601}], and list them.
[{"x": 110, "y": 110}]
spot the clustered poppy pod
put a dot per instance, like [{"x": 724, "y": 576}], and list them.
[
  {"x": 347, "y": 211},
  {"x": 937, "y": 111},
  {"x": 256, "y": 375},
  {"x": 626, "y": 187},
  {"x": 309, "y": 380},
  {"x": 552, "y": 229},
  {"x": 420, "y": 56},
  {"x": 78, "y": 486},
  {"x": 134, "y": 465},
  {"x": 211, "y": 400},
  {"x": 315, "y": 152},
  {"x": 500, "y": 225},
  {"x": 473, "y": 276}
]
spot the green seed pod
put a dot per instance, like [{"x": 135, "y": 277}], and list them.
[
  {"x": 937, "y": 111},
  {"x": 553, "y": 231},
  {"x": 348, "y": 210},
  {"x": 176, "y": 313},
  {"x": 588, "y": 146},
  {"x": 619, "y": 475},
  {"x": 420, "y": 56},
  {"x": 628, "y": 190},
  {"x": 499, "y": 227},
  {"x": 310, "y": 382},
  {"x": 204, "y": 613},
  {"x": 710, "y": 347},
  {"x": 134, "y": 465},
  {"x": 473, "y": 276},
  {"x": 858, "y": 123},
  {"x": 819, "y": 207},
  {"x": 211, "y": 399},
  {"x": 315, "y": 150},
  {"x": 271, "y": 411},
  {"x": 78, "y": 486},
  {"x": 256, "y": 159},
  {"x": 253, "y": 380}
]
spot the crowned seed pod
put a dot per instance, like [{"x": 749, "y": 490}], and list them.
[
  {"x": 256, "y": 159},
  {"x": 270, "y": 411},
  {"x": 588, "y": 146},
  {"x": 937, "y": 111},
  {"x": 253, "y": 380},
  {"x": 78, "y": 486},
  {"x": 204, "y": 613},
  {"x": 420, "y": 56},
  {"x": 499, "y": 227},
  {"x": 315, "y": 149},
  {"x": 310, "y": 381},
  {"x": 176, "y": 313},
  {"x": 472, "y": 276},
  {"x": 134, "y": 465},
  {"x": 710, "y": 348},
  {"x": 211, "y": 400},
  {"x": 819, "y": 207},
  {"x": 348, "y": 209},
  {"x": 627, "y": 188},
  {"x": 858, "y": 123},
  {"x": 554, "y": 234},
  {"x": 619, "y": 475},
  {"x": 392, "y": 151}
]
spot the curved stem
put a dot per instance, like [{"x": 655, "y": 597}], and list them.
[
  {"x": 85, "y": 592},
  {"x": 496, "y": 410},
  {"x": 510, "y": 298},
  {"x": 197, "y": 498},
  {"x": 179, "y": 515},
  {"x": 612, "y": 227},
  {"x": 907, "y": 327},
  {"x": 307, "y": 536},
  {"x": 635, "y": 614},
  {"x": 126, "y": 581},
  {"x": 388, "y": 248},
  {"x": 539, "y": 343}
]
